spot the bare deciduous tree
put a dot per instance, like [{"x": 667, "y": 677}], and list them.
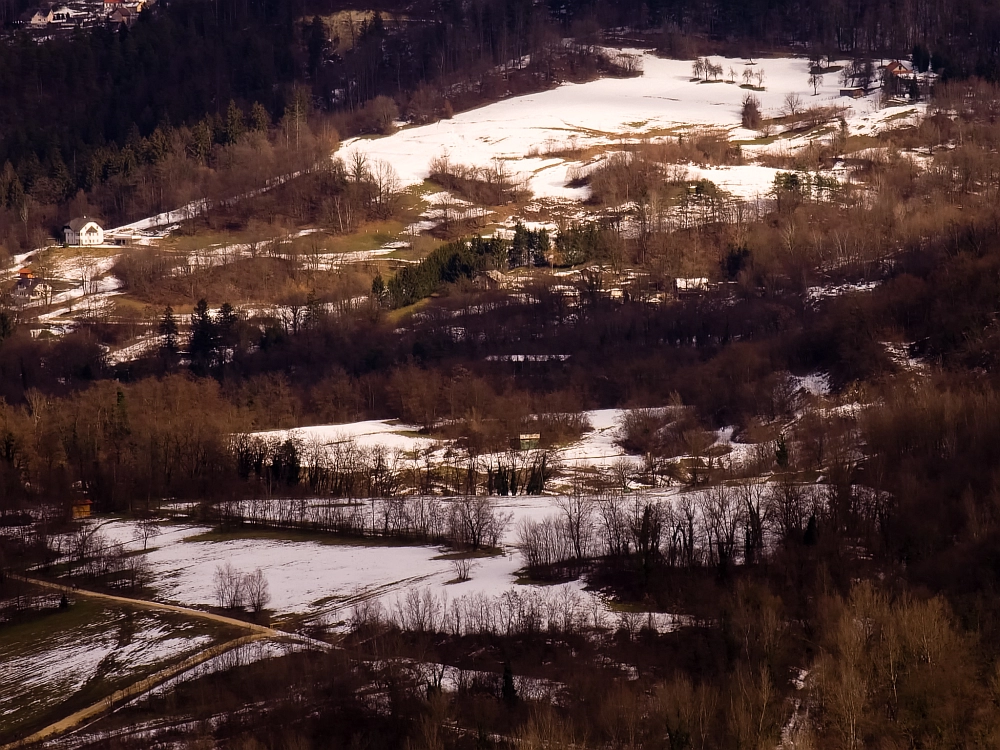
[
  {"x": 793, "y": 103},
  {"x": 577, "y": 510},
  {"x": 258, "y": 593},
  {"x": 722, "y": 518},
  {"x": 462, "y": 567},
  {"x": 476, "y": 521},
  {"x": 146, "y": 529},
  {"x": 815, "y": 80},
  {"x": 229, "y": 589}
]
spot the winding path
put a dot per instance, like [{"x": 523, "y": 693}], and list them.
[{"x": 74, "y": 720}]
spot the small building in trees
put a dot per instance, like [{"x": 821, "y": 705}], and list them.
[
  {"x": 83, "y": 231},
  {"x": 897, "y": 68},
  {"x": 697, "y": 285},
  {"x": 67, "y": 15},
  {"x": 492, "y": 280},
  {"x": 122, "y": 15},
  {"x": 853, "y": 92},
  {"x": 81, "y": 508},
  {"x": 28, "y": 289},
  {"x": 528, "y": 441},
  {"x": 134, "y": 6}
]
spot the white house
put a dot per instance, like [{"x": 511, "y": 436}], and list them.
[
  {"x": 691, "y": 286},
  {"x": 41, "y": 17},
  {"x": 83, "y": 231}
]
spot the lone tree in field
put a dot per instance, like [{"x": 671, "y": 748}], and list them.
[
  {"x": 146, "y": 529},
  {"x": 258, "y": 593},
  {"x": 815, "y": 80},
  {"x": 462, "y": 568},
  {"x": 793, "y": 103}
]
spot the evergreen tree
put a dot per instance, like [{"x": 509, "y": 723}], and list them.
[
  {"x": 169, "y": 347},
  {"x": 540, "y": 247},
  {"x": 235, "y": 125},
  {"x": 259, "y": 118},
  {"x": 203, "y": 338},
  {"x": 781, "y": 453},
  {"x": 200, "y": 147},
  {"x": 378, "y": 289},
  {"x": 316, "y": 44},
  {"x": 227, "y": 334},
  {"x": 508, "y": 691},
  {"x": 314, "y": 310},
  {"x": 520, "y": 250}
]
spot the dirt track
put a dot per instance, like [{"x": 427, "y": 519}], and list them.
[
  {"x": 257, "y": 632},
  {"x": 146, "y": 604},
  {"x": 116, "y": 698}
]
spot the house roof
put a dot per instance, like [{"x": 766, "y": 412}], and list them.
[
  {"x": 897, "y": 66},
  {"x": 79, "y": 223}
]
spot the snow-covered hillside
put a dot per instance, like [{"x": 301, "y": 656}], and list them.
[{"x": 663, "y": 101}]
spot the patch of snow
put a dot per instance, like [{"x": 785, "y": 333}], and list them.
[
  {"x": 529, "y": 131},
  {"x": 816, "y": 293},
  {"x": 815, "y": 384}
]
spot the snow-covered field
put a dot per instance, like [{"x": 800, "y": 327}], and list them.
[
  {"x": 530, "y": 131},
  {"x": 321, "y": 579},
  {"x": 596, "y": 448},
  {"x": 324, "y": 579}
]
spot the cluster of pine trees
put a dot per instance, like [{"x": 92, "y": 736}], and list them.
[{"x": 464, "y": 259}]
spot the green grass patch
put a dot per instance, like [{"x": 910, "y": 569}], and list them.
[
  {"x": 468, "y": 554},
  {"x": 300, "y": 535}
]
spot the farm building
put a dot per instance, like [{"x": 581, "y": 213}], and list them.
[
  {"x": 81, "y": 509},
  {"x": 83, "y": 231}
]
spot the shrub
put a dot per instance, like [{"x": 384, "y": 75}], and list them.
[
  {"x": 639, "y": 430},
  {"x": 750, "y": 112}
]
